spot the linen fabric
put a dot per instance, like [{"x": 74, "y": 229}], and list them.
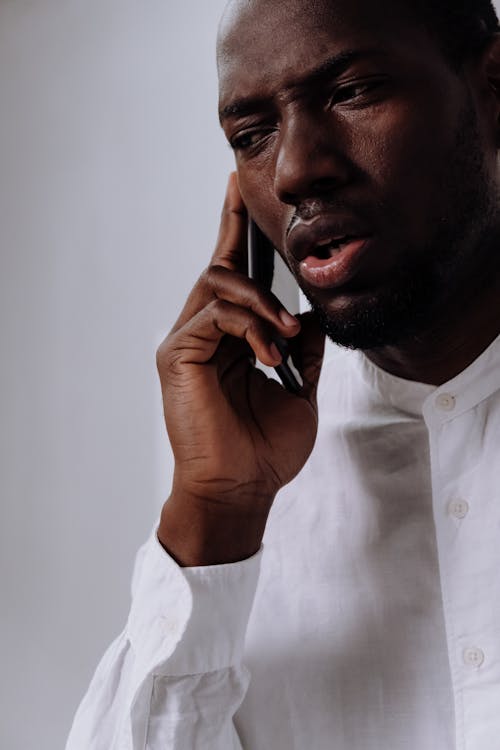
[{"x": 370, "y": 618}]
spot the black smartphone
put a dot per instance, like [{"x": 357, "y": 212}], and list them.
[{"x": 261, "y": 267}]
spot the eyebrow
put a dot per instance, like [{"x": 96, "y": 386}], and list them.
[{"x": 332, "y": 67}]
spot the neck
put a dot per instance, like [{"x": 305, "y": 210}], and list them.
[{"x": 460, "y": 333}]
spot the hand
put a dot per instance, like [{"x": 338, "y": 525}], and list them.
[{"x": 237, "y": 436}]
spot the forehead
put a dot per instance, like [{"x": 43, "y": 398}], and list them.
[{"x": 263, "y": 44}]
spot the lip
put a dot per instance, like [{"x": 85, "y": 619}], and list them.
[
  {"x": 305, "y": 241},
  {"x": 305, "y": 236},
  {"x": 337, "y": 270}
]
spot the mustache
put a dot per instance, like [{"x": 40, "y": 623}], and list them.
[{"x": 328, "y": 205}]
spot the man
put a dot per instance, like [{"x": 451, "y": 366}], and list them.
[{"x": 365, "y": 138}]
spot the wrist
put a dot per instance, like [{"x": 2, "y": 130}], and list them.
[{"x": 199, "y": 532}]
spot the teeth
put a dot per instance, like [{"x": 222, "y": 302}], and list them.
[
  {"x": 333, "y": 241},
  {"x": 330, "y": 246}
]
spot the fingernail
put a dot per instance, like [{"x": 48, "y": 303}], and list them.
[
  {"x": 287, "y": 319},
  {"x": 275, "y": 352}
]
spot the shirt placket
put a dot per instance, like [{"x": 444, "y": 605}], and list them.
[{"x": 467, "y": 523}]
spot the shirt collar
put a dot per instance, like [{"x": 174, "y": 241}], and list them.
[
  {"x": 463, "y": 392},
  {"x": 467, "y": 389},
  {"x": 405, "y": 395}
]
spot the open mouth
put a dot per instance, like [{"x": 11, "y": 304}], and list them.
[
  {"x": 329, "y": 247},
  {"x": 334, "y": 261}
]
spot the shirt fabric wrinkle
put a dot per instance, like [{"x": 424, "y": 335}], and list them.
[{"x": 370, "y": 617}]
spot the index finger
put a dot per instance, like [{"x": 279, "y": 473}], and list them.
[{"x": 231, "y": 247}]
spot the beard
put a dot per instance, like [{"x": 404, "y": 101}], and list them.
[{"x": 427, "y": 278}]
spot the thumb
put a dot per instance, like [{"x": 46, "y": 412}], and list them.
[{"x": 310, "y": 348}]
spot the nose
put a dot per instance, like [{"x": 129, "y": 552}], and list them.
[{"x": 310, "y": 160}]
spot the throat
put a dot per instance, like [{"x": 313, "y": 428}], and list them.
[{"x": 456, "y": 339}]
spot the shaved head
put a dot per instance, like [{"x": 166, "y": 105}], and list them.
[{"x": 459, "y": 27}]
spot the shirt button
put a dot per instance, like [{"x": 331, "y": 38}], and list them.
[
  {"x": 458, "y": 508},
  {"x": 445, "y": 402},
  {"x": 473, "y": 657}
]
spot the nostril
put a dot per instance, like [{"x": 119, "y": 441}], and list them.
[
  {"x": 324, "y": 185},
  {"x": 312, "y": 189}
]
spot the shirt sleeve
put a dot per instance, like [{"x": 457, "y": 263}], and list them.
[{"x": 174, "y": 678}]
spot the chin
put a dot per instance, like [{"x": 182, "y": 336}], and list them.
[{"x": 375, "y": 319}]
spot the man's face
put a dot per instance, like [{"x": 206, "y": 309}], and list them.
[{"x": 361, "y": 156}]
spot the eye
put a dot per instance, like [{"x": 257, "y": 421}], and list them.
[
  {"x": 356, "y": 91},
  {"x": 249, "y": 140}
]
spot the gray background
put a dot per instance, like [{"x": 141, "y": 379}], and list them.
[{"x": 113, "y": 170}]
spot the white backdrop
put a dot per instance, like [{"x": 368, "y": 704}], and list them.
[{"x": 112, "y": 174}]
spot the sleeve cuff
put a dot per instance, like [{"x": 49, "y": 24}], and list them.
[{"x": 190, "y": 620}]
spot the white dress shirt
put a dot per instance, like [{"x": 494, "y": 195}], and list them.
[{"x": 371, "y": 618}]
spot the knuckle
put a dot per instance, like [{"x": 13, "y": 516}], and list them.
[
  {"x": 205, "y": 278},
  {"x": 217, "y": 270},
  {"x": 217, "y": 307},
  {"x": 169, "y": 358},
  {"x": 163, "y": 354},
  {"x": 213, "y": 276}
]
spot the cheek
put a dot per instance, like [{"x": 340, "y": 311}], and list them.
[
  {"x": 397, "y": 144},
  {"x": 404, "y": 156}
]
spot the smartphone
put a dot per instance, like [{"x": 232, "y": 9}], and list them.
[{"x": 262, "y": 262}]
